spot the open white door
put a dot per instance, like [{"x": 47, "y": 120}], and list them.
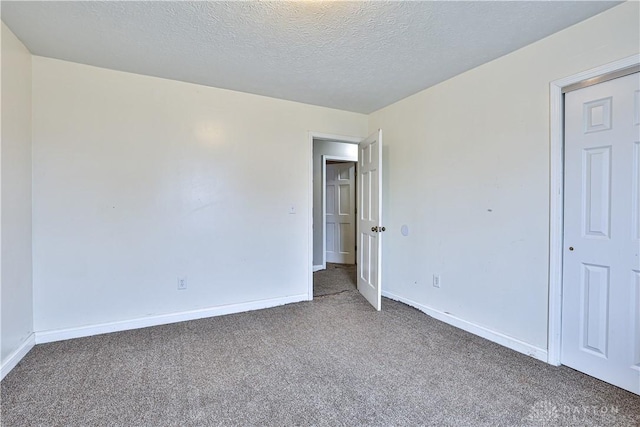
[{"x": 369, "y": 218}]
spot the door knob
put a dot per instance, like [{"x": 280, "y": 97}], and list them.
[
  {"x": 383, "y": 229},
  {"x": 571, "y": 248},
  {"x": 374, "y": 229}
]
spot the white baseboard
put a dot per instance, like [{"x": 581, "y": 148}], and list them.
[
  {"x": 318, "y": 268},
  {"x": 497, "y": 337},
  {"x": 15, "y": 357},
  {"x": 163, "y": 319}
]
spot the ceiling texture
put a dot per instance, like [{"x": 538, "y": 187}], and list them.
[{"x": 355, "y": 56}]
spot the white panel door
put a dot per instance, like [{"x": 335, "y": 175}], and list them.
[
  {"x": 601, "y": 271},
  {"x": 341, "y": 213},
  {"x": 369, "y": 218}
]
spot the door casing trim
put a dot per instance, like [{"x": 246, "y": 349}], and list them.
[
  {"x": 556, "y": 192},
  {"x": 323, "y": 190}
]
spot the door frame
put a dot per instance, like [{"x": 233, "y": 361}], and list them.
[
  {"x": 556, "y": 189},
  {"x": 323, "y": 197},
  {"x": 323, "y": 137}
]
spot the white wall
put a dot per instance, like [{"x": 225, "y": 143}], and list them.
[
  {"x": 467, "y": 169},
  {"x": 139, "y": 180},
  {"x": 16, "y": 287},
  {"x": 324, "y": 148}
]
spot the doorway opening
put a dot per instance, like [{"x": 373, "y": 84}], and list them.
[
  {"x": 338, "y": 273},
  {"x": 334, "y": 215},
  {"x": 367, "y": 176}
]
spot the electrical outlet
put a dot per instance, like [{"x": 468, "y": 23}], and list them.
[
  {"x": 182, "y": 283},
  {"x": 436, "y": 280}
]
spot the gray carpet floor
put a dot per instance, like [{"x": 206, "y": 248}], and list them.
[
  {"x": 335, "y": 279},
  {"x": 331, "y": 361}
]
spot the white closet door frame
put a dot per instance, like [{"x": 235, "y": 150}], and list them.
[
  {"x": 325, "y": 158},
  {"x": 556, "y": 202}
]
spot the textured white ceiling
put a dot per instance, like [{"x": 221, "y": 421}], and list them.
[{"x": 356, "y": 56}]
